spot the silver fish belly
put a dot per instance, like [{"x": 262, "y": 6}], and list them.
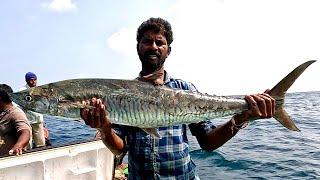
[{"x": 140, "y": 104}]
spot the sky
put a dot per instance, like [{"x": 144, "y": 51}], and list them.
[{"x": 229, "y": 47}]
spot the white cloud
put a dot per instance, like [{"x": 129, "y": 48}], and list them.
[
  {"x": 32, "y": 18},
  {"x": 61, "y": 5},
  {"x": 123, "y": 41}
]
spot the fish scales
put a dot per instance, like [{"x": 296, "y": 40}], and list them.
[
  {"x": 157, "y": 106},
  {"x": 140, "y": 104}
]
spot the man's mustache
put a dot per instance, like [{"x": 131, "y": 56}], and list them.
[{"x": 148, "y": 53}]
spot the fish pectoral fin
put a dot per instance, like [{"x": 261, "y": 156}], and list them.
[
  {"x": 153, "y": 132},
  {"x": 86, "y": 106},
  {"x": 69, "y": 103},
  {"x": 79, "y": 105}
]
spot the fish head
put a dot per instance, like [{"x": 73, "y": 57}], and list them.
[{"x": 41, "y": 99}]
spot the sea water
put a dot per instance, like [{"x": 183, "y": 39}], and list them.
[{"x": 263, "y": 150}]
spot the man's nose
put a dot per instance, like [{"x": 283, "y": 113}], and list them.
[{"x": 154, "y": 46}]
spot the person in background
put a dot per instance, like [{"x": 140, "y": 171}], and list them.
[
  {"x": 15, "y": 131},
  {"x": 39, "y": 131},
  {"x": 31, "y": 80}
]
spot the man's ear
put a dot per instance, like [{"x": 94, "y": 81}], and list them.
[
  {"x": 138, "y": 49},
  {"x": 169, "y": 50}
]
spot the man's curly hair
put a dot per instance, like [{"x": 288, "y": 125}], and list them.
[
  {"x": 156, "y": 25},
  {"x": 4, "y": 90}
]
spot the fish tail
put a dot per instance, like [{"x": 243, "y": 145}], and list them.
[{"x": 278, "y": 93}]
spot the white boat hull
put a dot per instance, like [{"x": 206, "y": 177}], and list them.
[{"x": 84, "y": 161}]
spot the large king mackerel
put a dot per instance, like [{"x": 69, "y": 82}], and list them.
[{"x": 140, "y": 104}]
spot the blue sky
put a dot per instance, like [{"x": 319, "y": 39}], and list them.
[{"x": 223, "y": 47}]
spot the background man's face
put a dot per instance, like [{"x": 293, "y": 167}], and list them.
[
  {"x": 32, "y": 82},
  {"x": 153, "y": 49},
  {"x": 1, "y": 104}
]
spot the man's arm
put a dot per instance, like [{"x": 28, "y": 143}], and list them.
[
  {"x": 22, "y": 142},
  {"x": 96, "y": 118},
  {"x": 260, "y": 106}
]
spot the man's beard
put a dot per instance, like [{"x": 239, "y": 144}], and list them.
[{"x": 150, "y": 65}]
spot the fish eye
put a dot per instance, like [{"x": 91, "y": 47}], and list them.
[{"x": 28, "y": 98}]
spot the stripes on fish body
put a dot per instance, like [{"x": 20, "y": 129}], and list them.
[{"x": 140, "y": 104}]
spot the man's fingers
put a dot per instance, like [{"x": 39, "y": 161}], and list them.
[
  {"x": 19, "y": 151},
  {"x": 95, "y": 112},
  {"x": 253, "y": 107},
  {"x": 261, "y": 105},
  {"x": 103, "y": 113},
  {"x": 84, "y": 112},
  {"x": 98, "y": 103},
  {"x": 93, "y": 102},
  {"x": 94, "y": 117},
  {"x": 92, "y": 113},
  {"x": 97, "y": 117},
  {"x": 85, "y": 115},
  {"x": 88, "y": 114},
  {"x": 15, "y": 151},
  {"x": 270, "y": 104},
  {"x": 273, "y": 102},
  {"x": 91, "y": 118},
  {"x": 252, "y": 103}
]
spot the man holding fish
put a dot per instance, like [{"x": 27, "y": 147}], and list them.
[{"x": 167, "y": 156}]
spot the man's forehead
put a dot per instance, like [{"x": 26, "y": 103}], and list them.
[{"x": 151, "y": 34}]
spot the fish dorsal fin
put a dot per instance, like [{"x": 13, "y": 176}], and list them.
[{"x": 153, "y": 132}]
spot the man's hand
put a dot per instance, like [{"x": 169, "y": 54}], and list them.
[
  {"x": 95, "y": 117},
  {"x": 261, "y": 106},
  {"x": 17, "y": 150},
  {"x": 23, "y": 140},
  {"x": 45, "y": 133}
]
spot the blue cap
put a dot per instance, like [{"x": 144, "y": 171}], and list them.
[{"x": 30, "y": 75}]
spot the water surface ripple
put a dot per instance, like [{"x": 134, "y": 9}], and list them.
[{"x": 263, "y": 150}]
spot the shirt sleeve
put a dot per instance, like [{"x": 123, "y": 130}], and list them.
[
  {"x": 201, "y": 128},
  {"x": 192, "y": 88},
  {"x": 120, "y": 131},
  {"x": 22, "y": 124},
  {"x": 20, "y": 120}
]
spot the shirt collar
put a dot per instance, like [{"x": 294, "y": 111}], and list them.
[
  {"x": 27, "y": 86},
  {"x": 167, "y": 77}
]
